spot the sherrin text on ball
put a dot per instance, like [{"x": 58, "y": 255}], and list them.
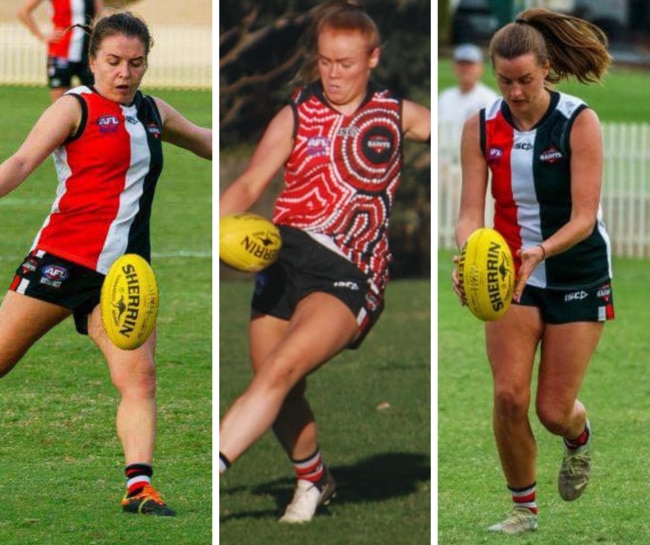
[
  {"x": 248, "y": 242},
  {"x": 487, "y": 274},
  {"x": 129, "y": 302}
]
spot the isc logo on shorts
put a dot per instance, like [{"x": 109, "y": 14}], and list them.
[{"x": 575, "y": 296}]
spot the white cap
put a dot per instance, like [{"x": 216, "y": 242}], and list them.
[{"x": 468, "y": 53}]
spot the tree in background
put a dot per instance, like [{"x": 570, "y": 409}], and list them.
[{"x": 259, "y": 53}]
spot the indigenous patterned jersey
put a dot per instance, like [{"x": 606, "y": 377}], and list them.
[
  {"x": 107, "y": 176},
  {"x": 342, "y": 175},
  {"x": 531, "y": 185},
  {"x": 65, "y": 13}
]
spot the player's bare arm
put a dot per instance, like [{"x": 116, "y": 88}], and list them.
[
  {"x": 58, "y": 122},
  {"x": 183, "y": 133},
  {"x": 271, "y": 153}
]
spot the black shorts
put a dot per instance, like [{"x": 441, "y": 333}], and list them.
[
  {"x": 61, "y": 70},
  {"x": 56, "y": 280},
  {"x": 575, "y": 305},
  {"x": 305, "y": 266}
]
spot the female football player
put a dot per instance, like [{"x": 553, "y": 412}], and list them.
[
  {"x": 339, "y": 141},
  {"x": 544, "y": 150},
  {"x": 107, "y": 148}
]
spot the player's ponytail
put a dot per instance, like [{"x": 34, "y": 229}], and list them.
[{"x": 572, "y": 46}]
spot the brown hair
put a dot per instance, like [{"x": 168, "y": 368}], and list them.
[
  {"x": 337, "y": 15},
  {"x": 122, "y": 23},
  {"x": 572, "y": 46}
]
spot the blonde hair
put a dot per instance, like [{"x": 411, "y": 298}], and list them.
[
  {"x": 572, "y": 46},
  {"x": 336, "y": 15}
]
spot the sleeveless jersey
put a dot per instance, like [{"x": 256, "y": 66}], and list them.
[
  {"x": 107, "y": 175},
  {"x": 531, "y": 186},
  {"x": 341, "y": 176},
  {"x": 74, "y": 43}
]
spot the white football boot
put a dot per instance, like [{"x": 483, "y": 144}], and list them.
[{"x": 307, "y": 497}]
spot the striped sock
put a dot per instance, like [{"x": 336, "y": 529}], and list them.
[
  {"x": 137, "y": 476},
  {"x": 224, "y": 463},
  {"x": 310, "y": 469},
  {"x": 579, "y": 441},
  {"x": 525, "y": 497}
]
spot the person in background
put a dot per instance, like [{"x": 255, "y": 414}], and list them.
[
  {"x": 67, "y": 44},
  {"x": 457, "y": 104},
  {"x": 544, "y": 150}
]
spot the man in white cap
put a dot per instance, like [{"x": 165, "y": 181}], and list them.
[{"x": 458, "y": 103}]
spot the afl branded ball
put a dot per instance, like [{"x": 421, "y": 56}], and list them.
[
  {"x": 129, "y": 302},
  {"x": 248, "y": 242},
  {"x": 487, "y": 274}
]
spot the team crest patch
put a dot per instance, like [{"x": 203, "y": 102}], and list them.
[
  {"x": 153, "y": 130},
  {"x": 108, "y": 124},
  {"x": 317, "y": 145},
  {"x": 378, "y": 145},
  {"x": 551, "y": 155}
]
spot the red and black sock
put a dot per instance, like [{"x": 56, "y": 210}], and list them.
[
  {"x": 579, "y": 441},
  {"x": 525, "y": 497},
  {"x": 310, "y": 469},
  {"x": 137, "y": 477}
]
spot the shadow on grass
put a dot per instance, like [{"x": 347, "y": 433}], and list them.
[{"x": 378, "y": 478}]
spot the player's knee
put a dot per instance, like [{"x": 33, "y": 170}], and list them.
[
  {"x": 510, "y": 404},
  {"x": 553, "y": 416},
  {"x": 141, "y": 383}
]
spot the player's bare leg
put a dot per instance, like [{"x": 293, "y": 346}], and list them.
[
  {"x": 133, "y": 374},
  {"x": 511, "y": 345},
  {"x": 24, "y": 320},
  {"x": 562, "y": 369}
]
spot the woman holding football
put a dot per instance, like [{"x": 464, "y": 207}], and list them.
[
  {"x": 340, "y": 137},
  {"x": 544, "y": 151},
  {"x": 107, "y": 147}
]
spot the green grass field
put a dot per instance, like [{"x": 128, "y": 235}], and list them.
[
  {"x": 472, "y": 493},
  {"x": 621, "y": 97},
  {"x": 61, "y": 466},
  {"x": 380, "y": 458}
]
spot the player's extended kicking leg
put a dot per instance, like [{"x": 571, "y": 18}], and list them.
[
  {"x": 24, "y": 320},
  {"x": 133, "y": 373},
  {"x": 284, "y": 355}
]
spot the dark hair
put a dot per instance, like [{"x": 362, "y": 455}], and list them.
[
  {"x": 572, "y": 46},
  {"x": 337, "y": 15},
  {"x": 122, "y": 23}
]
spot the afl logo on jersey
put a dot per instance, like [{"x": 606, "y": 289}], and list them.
[
  {"x": 378, "y": 145},
  {"x": 317, "y": 145},
  {"x": 108, "y": 123},
  {"x": 494, "y": 154}
]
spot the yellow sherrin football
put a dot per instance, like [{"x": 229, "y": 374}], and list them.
[
  {"x": 248, "y": 242},
  {"x": 129, "y": 302},
  {"x": 487, "y": 274}
]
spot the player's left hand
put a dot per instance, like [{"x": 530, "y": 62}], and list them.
[{"x": 530, "y": 258}]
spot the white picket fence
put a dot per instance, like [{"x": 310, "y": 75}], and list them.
[
  {"x": 181, "y": 57},
  {"x": 625, "y": 194}
]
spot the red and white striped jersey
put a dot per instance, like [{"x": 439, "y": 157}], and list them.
[
  {"x": 531, "y": 186},
  {"x": 342, "y": 174},
  {"x": 107, "y": 175},
  {"x": 65, "y": 13}
]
